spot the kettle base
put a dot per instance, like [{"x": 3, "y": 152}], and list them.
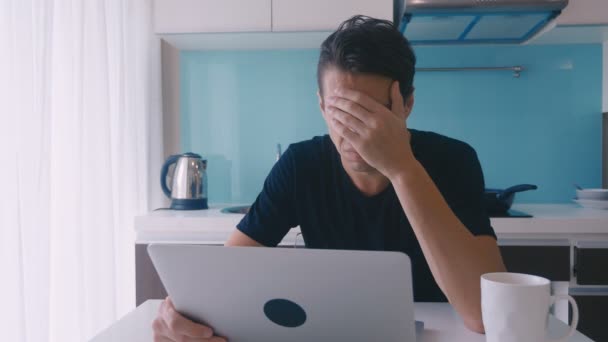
[{"x": 189, "y": 204}]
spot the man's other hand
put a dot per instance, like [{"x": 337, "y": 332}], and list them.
[{"x": 170, "y": 326}]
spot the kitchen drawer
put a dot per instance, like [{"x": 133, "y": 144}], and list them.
[
  {"x": 592, "y": 305},
  {"x": 552, "y": 262},
  {"x": 591, "y": 263}
]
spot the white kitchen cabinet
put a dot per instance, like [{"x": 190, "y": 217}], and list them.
[
  {"x": 324, "y": 15},
  {"x": 584, "y": 12},
  {"x": 194, "y": 16}
]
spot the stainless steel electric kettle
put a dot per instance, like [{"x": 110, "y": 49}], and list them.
[{"x": 188, "y": 189}]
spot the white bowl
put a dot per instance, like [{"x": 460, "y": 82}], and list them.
[
  {"x": 592, "y": 194},
  {"x": 592, "y": 204}
]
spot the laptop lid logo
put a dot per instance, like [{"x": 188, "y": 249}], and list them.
[{"x": 285, "y": 313}]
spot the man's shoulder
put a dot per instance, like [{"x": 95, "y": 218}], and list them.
[
  {"x": 312, "y": 158},
  {"x": 314, "y": 142},
  {"x": 311, "y": 148},
  {"x": 452, "y": 164}
]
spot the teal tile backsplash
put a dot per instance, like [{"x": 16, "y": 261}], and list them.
[{"x": 542, "y": 128}]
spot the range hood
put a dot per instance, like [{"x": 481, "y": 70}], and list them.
[{"x": 477, "y": 21}]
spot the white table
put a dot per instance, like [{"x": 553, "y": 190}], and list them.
[{"x": 441, "y": 323}]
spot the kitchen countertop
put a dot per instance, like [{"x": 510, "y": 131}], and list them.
[
  {"x": 441, "y": 323},
  {"x": 212, "y": 226}
]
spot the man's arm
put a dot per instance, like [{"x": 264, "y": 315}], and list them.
[
  {"x": 455, "y": 256},
  {"x": 238, "y": 238}
]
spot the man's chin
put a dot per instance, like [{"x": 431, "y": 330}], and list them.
[
  {"x": 353, "y": 162},
  {"x": 358, "y": 165}
]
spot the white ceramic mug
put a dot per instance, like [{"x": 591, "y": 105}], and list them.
[{"x": 515, "y": 307}]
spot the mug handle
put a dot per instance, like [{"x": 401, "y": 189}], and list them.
[{"x": 574, "y": 314}]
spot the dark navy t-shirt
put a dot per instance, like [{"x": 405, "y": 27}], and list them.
[{"x": 308, "y": 187}]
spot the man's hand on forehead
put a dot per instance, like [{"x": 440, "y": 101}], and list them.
[
  {"x": 359, "y": 97},
  {"x": 361, "y": 105},
  {"x": 379, "y": 134}
]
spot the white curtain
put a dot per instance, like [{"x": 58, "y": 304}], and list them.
[{"x": 80, "y": 147}]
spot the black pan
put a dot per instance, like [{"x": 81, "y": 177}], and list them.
[{"x": 499, "y": 201}]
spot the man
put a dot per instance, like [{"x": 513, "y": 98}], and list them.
[{"x": 373, "y": 184}]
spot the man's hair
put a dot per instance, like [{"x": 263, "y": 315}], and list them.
[{"x": 366, "y": 45}]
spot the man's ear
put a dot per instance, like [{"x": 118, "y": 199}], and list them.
[
  {"x": 409, "y": 105},
  {"x": 321, "y": 102}
]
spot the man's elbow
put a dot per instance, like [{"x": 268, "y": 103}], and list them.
[{"x": 475, "y": 324}]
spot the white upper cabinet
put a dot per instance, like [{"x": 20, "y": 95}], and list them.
[
  {"x": 194, "y": 16},
  {"x": 584, "y": 12},
  {"x": 324, "y": 15}
]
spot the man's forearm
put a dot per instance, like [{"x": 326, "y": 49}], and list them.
[{"x": 456, "y": 257}]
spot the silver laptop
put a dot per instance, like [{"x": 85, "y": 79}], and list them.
[{"x": 251, "y": 294}]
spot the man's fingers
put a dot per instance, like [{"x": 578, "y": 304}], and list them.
[
  {"x": 171, "y": 326},
  {"x": 182, "y": 326},
  {"x": 366, "y": 101},
  {"x": 348, "y": 120},
  {"x": 218, "y": 339},
  {"x": 163, "y": 333},
  {"x": 186, "y": 327},
  {"x": 169, "y": 302},
  {"x": 350, "y": 107},
  {"x": 397, "y": 104},
  {"x": 344, "y": 131},
  {"x": 169, "y": 335},
  {"x": 163, "y": 305},
  {"x": 160, "y": 330},
  {"x": 162, "y": 339}
]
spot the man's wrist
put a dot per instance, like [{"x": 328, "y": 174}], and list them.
[{"x": 408, "y": 171}]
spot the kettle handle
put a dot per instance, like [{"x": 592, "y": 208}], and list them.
[{"x": 163, "y": 173}]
